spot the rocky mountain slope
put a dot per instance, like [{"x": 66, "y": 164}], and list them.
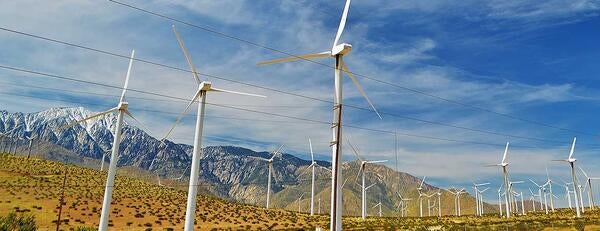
[{"x": 226, "y": 171}]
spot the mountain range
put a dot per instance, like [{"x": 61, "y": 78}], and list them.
[{"x": 227, "y": 172}]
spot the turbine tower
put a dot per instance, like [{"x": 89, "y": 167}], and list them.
[
  {"x": 121, "y": 109},
  {"x": 571, "y": 162},
  {"x": 338, "y": 51},
  {"x": 200, "y": 96}
]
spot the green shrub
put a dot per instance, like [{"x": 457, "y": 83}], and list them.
[{"x": 12, "y": 221}]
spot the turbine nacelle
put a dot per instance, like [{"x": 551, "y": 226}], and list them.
[
  {"x": 123, "y": 106},
  {"x": 341, "y": 49},
  {"x": 205, "y": 86}
]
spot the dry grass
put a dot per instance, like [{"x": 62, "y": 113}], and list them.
[{"x": 34, "y": 186}]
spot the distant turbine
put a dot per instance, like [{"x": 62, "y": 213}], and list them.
[
  {"x": 121, "y": 109},
  {"x": 504, "y": 165},
  {"x": 378, "y": 204},
  {"x": 338, "y": 51},
  {"x": 402, "y": 203},
  {"x": 571, "y": 162},
  {"x": 361, "y": 173},
  {"x": 549, "y": 183},
  {"x": 270, "y": 165},
  {"x": 421, "y": 195},
  {"x": 540, "y": 190},
  {"x": 313, "y": 165},
  {"x": 29, "y": 137},
  {"x": 589, "y": 187}
]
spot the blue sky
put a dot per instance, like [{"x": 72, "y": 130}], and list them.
[{"x": 535, "y": 60}]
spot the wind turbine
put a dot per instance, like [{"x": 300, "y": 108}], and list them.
[
  {"x": 533, "y": 195},
  {"x": 338, "y": 51},
  {"x": 121, "y": 109},
  {"x": 439, "y": 194},
  {"x": 480, "y": 201},
  {"x": 403, "y": 201},
  {"x": 500, "y": 200},
  {"x": 313, "y": 165},
  {"x": 514, "y": 203},
  {"x": 200, "y": 96},
  {"x": 571, "y": 162},
  {"x": 300, "y": 199},
  {"x": 421, "y": 195},
  {"x": 378, "y": 204},
  {"x": 270, "y": 164},
  {"x": 588, "y": 186},
  {"x": 477, "y": 197},
  {"x": 549, "y": 183},
  {"x": 361, "y": 173},
  {"x": 504, "y": 165},
  {"x": 29, "y": 137},
  {"x": 540, "y": 190}
]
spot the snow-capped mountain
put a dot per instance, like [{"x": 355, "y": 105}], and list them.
[{"x": 227, "y": 171}]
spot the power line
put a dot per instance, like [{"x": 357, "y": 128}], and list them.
[
  {"x": 177, "y": 99},
  {"x": 416, "y": 91},
  {"x": 323, "y": 122}
]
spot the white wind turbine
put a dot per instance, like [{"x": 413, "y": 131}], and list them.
[
  {"x": 421, "y": 195},
  {"x": 504, "y": 165},
  {"x": 588, "y": 186},
  {"x": 500, "y": 194},
  {"x": 549, "y": 184},
  {"x": 533, "y": 195},
  {"x": 313, "y": 165},
  {"x": 402, "y": 204},
  {"x": 121, "y": 109},
  {"x": 378, "y": 205},
  {"x": 571, "y": 162},
  {"x": 200, "y": 96},
  {"x": 29, "y": 137},
  {"x": 513, "y": 202},
  {"x": 338, "y": 51},
  {"x": 439, "y": 199},
  {"x": 540, "y": 190},
  {"x": 270, "y": 176},
  {"x": 479, "y": 201},
  {"x": 361, "y": 173},
  {"x": 300, "y": 199},
  {"x": 477, "y": 197}
]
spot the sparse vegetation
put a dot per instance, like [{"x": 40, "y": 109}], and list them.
[{"x": 32, "y": 188}]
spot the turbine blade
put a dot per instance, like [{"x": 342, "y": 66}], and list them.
[
  {"x": 127, "y": 76},
  {"x": 584, "y": 173},
  {"x": 312, "y": 156},
  {"x": 342, "y": 24},
  {"x": 182, "y": 114},
  {"x": 188, "y": 58},
  {"x": 89, "y": 118},
  {"x": 294, "y": 58},
  {"x": 534, "y": 183},
  {"x": 572, "y": 148},
  {"x": 370, "y": 186},
  {"x": 422, "y": 181},
  {"x": 277, "y": 151},
  {"x": 359, "y": 87},
  {"x": 354, "y": 150},
  {"x": 505, "y": 153},
  {"x": 137, "y": 121},
  {"x": 360, "y": 170},
  {"x": 236, "y": 92}
]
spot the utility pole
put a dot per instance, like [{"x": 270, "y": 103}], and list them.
[{"x": 62, "y": 199}]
